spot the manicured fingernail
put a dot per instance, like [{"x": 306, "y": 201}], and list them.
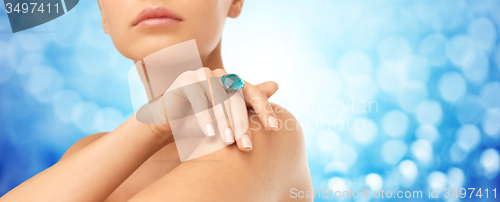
[
  {"x": 245, "y": 141},
  {"x": 273, "y": 122},
  {"x": 210, "y": 130},
  {"x": 229, "y": 136}
]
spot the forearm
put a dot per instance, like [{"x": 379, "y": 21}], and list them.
[{"x": 94, "y": 172}]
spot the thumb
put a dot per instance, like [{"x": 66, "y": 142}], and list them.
[{"x": 268, "y": 87}]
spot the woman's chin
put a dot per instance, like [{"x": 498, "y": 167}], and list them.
[{"x": 148, "y": 46}]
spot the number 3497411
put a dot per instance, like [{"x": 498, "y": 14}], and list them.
[{"x": 31, "y": 8}]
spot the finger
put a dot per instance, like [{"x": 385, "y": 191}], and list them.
[
  {"x": 199, "y": 103},
  {"x": 260, "y": 104},
  {"x": 241, "y": 130},
  {"x": 217, "y": 95},
  {"x": 219, "y": 72},
  {"x": 268, "y": 87},
  {"x": 226, "y": 107},
  {"x": 223, "y": 124}
]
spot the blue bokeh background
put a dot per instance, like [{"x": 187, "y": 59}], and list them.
[{"x": 391, "y": 94}]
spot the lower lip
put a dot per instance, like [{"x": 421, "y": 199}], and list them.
[{"x": 157, "y": 22}]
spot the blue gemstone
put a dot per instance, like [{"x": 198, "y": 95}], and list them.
[{"x": 232, "y": 82}]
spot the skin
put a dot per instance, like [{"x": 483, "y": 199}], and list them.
[
  {"x": 139, "y": 162},
  {"x": 203, "y": 22}
]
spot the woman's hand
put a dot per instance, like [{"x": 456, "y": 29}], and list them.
[{"x": 201, "y": 92}]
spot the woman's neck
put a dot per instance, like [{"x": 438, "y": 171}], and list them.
[{"x": 214, "y": 59}]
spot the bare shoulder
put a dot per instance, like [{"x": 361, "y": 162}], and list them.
[
  {"x": 83, "y": 143},
  {"x": 277, "y": 163},
  {"x": 282, "y": 151}
]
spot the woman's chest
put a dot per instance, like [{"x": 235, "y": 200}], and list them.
[{"x": 145, "y": 175}]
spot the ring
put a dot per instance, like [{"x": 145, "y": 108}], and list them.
[{"x": 232, "y": 82}]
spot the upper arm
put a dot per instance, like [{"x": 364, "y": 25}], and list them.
[
  {"x": 276, "y": 164},
  {"x": 82, "y": 143}
]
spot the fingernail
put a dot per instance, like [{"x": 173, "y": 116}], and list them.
[
  {"x": 273, "y": 122},
  {"x": 210, "y": 130},
  {"x": 229, "y": 135},
  {"x": 245, "y": 141}
]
